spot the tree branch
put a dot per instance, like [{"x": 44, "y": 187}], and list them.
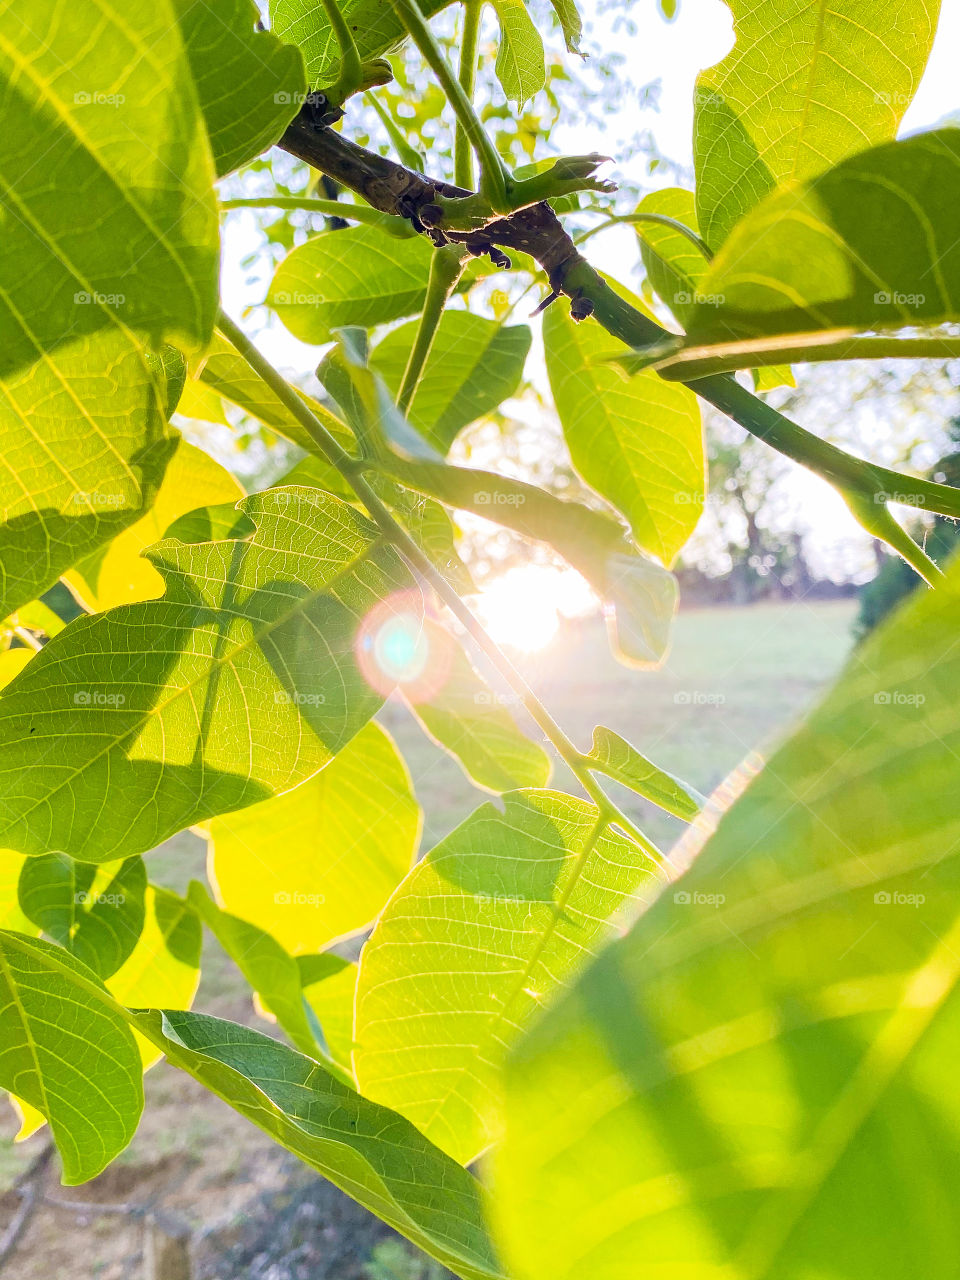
[{"x": 536, "y": 230}]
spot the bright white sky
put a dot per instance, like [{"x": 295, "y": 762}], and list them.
[{"x": 674, "y": 53}]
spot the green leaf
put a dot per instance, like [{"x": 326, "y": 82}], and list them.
[
  {"x": 804, "y": 86},
  {"x": 86, "y": 444},
  {"x": 119, "y": 573},
  {"x": 126, "y": 238},
  {"x": 473, "y": 366},
  {"x": 520, "y": 67},
  {"x": 570, "y": 23},
  {"x": 358, "y": 276},
  {"x": 619, "y": 760},
  {"x": 250, "y": 85},
  {"x": 238, "y": 684},
  {"x": 67, "y": 1054},
  {"x": 478, "y": 938},
  {"x": 120, "y": 251},
  {"x": 376, "y": 28},
  {"x": 97, "y": 917},
  {"x": 473, "y": 723},
  {"x": 270, "y": 971},
  {"x": 329, "y": 988},
  {"x": 211, "y": 524},
  {"x": 318, "y": 863},
  {"x": 364, "y": 1149},
  {"x": 636, "y": 441},
  {"x": 870, "y": 244},
  {"x": 642, "y": 597},
  {"x": 760, "y": 1079}
]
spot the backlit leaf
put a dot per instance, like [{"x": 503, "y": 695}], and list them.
[
  {"x": 238, "y": 684},
  {"x": 480, "y": 936},
  {"x": 636, "y": 441},
  {"x": 358, "y": 276},
  {"x": 759, "y": 1079},
  {"x": 371, "y": 1153},
  {"x": 804, "y": 86},
  {"x": 473, "y": 366},
  {"x": 67, "y": 1054},
  {"x": 319, "y": 862}
]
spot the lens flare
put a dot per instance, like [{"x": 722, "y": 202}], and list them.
[{"x": 402, "y": 645}]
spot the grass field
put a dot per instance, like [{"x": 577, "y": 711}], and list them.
[{"x": 733, "y": 683}]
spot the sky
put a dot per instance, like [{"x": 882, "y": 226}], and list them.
[{"x": 673, "y": 53}]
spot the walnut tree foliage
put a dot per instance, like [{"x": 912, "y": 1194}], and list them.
[{"x": 737, "y": 1061}]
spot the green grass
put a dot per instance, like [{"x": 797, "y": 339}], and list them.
[{"x": 734, "y": 681}]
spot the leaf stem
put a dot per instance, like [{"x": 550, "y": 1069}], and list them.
[
  {"x": 352, "y": 469},
  {"x": 662, "y": 219},
  {"x": 463, "y": 174},
  {"x": 331, "y": 208},
  {"x": 446, "y": 268},
  {"x": 350, "y": 76},
  {"x": 494, "y": 178}
]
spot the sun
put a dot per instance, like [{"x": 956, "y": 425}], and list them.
[{"x": 522, "y": 608}]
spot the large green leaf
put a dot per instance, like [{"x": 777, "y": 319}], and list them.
[
  {"x": 250, "y": 85},
  {"x": 520, "y": 66},
  {"x": 759, "y": 1081},
  {"x": 468, "y": 719},
  {"x": 636, "y": 441},
  {"x": 804, "y": 86},
  {"x": 119, "y": 573},
  {"x": 126, "y": 238},
  {"x": 870, "y": 244},
  {"x": 473, "y": 366},
  {"x": 359, "y": 276},
  {"x": 67, "y": 1054},
  {"x": 118, "y": 252},
  {"x": 479, "y": 937},
  {"x": 376, "y": 28},
  {"x": 238, "y": 684},
  {"x": 318, "y": 863},
  {"x": 371, "y": 1153}
]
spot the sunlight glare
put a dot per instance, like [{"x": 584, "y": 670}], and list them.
[{"x": 522, "y": 608}]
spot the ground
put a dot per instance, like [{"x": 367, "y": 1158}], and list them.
[{"x": 734, "y": 682}]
